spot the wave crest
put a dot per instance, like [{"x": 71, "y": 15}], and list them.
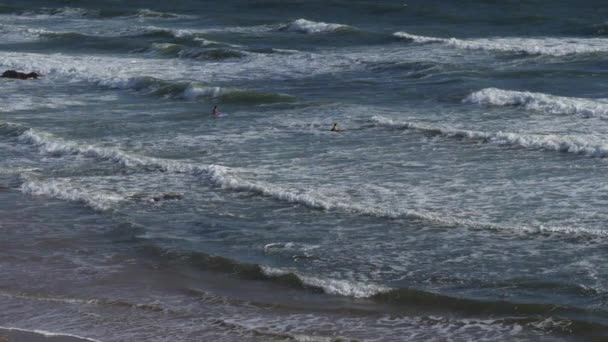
[
  {"x": 330, "y": 286},
  {"x": 311, "y": 27},
  {"x": 229, "y": 179},
  {"x": 62, "y": 189},
  {"x": 549, "y": 142},
  {"x": 195, "y": 90},
  {"x": 540, "y": 102},
  {"x": 531, "y": 46}
]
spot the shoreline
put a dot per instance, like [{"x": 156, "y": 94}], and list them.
[{"x": 8, "y": 334}]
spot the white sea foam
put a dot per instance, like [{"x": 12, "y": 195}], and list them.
[
  {"x": 533, "y": 46},
  {"x": 17, "y": 170},
  {"x": 540, "y": 102},
  {"x": 49, "y": 144},
  {"x": 278, "y": 245},
  {"x": 228, "y": 178},
  {"x": 117, "y": 71},
  {"x": 561, "y": 143},
  {"x": 307, "y": 26},
  {"x": 332, "y": 286},
  {"x": 303, "y": 250},
  {"x": 20, "y": 102},
  {"x": 219, "y": 175},
  {"x": 63, "y": 189},
  {"x": 401, "y": 327}
]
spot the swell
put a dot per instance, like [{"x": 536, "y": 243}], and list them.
[
  {"x": 227, "y": 178},
  {"x": 195, "y": 90},
  {"x": 10, "y": 129},
  {"x": 84, "y": 301},
  {"x": 169, "y": 50},
  {"x": 151, "y": 308},
  {"x": 600, "y": 30},
  {"x": 550, "y": 142},
  {"x": 414, "y": 297},
  {"x": 132, "y": 40},
  {"x": 74, "y": 41},
  {"x": 397, "y": 297},
  {"x": 7, "y": 9},
  {"x": 76, "y": 12},
  {"x": 530, "y": 46},
  {"x": 66, "y": 36},
  {"x": 137, "y": 34},
  {"x": 540, "y": 102}
]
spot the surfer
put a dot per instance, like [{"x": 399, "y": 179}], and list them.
[
  {"x": 215, "y": 112},
  {"x": 335, "y": 128}
]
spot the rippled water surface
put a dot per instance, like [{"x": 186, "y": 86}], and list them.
[{"x": 463, "y": 199}]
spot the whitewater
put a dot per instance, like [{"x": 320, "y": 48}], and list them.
[{"x": 461, "y": 199}]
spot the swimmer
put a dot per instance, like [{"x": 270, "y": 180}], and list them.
[
  {"x": 215, "y": 112},
  {"x": 335, "y": 128}
]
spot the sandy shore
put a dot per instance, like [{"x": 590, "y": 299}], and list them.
[{"x": 18, "y": 335}]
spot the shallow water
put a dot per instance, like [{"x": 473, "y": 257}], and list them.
[{"x": 463, "y": 199}]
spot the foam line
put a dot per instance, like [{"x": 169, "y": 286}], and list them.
[
  {"x": 332, "y": 286},
  {"x": 532, "y": 46},
  {"x": 225, "y": 178},
  {"x": 540, "y": 102},
  {"x": 550, "y": 142}
]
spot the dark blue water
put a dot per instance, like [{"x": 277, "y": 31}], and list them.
[{"x": 463, "y": 198}]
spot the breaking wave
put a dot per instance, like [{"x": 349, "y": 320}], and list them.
[
  {"x": 409, "y": 297},
  {"x": 62, "y": 189},
  {"x": 229, "y": 179},
  {"x": 311, "y": 27},
  {"x": 550, "y": 142},
  {"x": 55, "y": 146},
  {"x": 531, "y": 46},
  {"x": 539, "y": 102},
  {"x": 329, "y": 286}
]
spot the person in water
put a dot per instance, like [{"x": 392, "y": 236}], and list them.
[
  {"x": 335, "y": 128},
  {"x": 215, "y": 111}
]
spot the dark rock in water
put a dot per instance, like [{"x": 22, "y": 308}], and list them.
[
  {"x": 4, "y": 187},
  {"x": 19, "y": 75}
]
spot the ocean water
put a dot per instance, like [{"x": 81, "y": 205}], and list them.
[{"x": 464, "y": 199}]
